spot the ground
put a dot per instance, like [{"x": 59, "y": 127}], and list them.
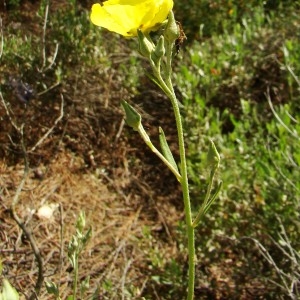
[{"x": 83, "y": 157}]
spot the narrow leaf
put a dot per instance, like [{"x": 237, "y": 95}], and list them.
[
  {"x": 166, "y": 151},
  {"x": 153, "y": 78},
  {"x": 213, "y": 198}
]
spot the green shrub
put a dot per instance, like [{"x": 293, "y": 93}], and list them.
[
  {"x": 207, "y": 18},
  {"x": 241, "y": 89}
]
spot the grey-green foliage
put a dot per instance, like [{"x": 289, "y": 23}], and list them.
[{"x": 258, "y": 140}]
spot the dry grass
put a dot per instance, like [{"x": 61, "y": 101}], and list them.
[
  {"x": 90, "y": 162},
  {"x": 117, "y": 251}
]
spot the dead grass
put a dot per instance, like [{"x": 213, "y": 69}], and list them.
[
  {"x": 90, "y": 162},
  {"x": 116, "y": 248}
]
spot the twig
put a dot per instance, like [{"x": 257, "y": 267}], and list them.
[
  {"x": 122, "y": 123},
  {"x": 279, "y": 169},
  {"x": 294, "y": 134},
  {"x": 293, "y": 74},
  {"x": 18, "y": 129},
  {"x": 22, "y": 225},
  {"x": 2, "y": 40},
  {"x": 61, "y": 254},
  {"x": 42, "y": 139},
  {"x": 125, "y": 271},
  {"x": 44, "y": 68},
  {"x": 281, "y": 274},
  {"x": 48, "y": 89},
  {"x": 44, "y": 35},
  {"x": 54, "y": 58}
]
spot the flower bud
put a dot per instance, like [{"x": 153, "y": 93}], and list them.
[
  {"x": 213, "y": 157},
  {"x": 159, "y": 50},
  {"x": 171, "y": 31},
  {"x": 145, "y": 45},
  {"x": 133, "y": 118}
]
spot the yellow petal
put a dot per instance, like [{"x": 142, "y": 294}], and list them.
[
  {"x": 127, "y": 16},
  {"x": 102, "y": 18},
  {"x": 162, "y": 10}
]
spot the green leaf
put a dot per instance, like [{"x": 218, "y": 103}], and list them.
[
  {"x": 52, "y": 288},
  {"x": 213, "y": 198},
  {"x": 9, "y": 292},
  {"x": 166, "y": 149},
  {"x": 154, "y": 80},
  {"x": 86, "y": 237}
]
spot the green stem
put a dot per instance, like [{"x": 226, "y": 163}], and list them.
[
  {"x": 169, "y": 51},
  {"x": 75, "y": 277},
  {"x": 186, "y": 198},
  {"x": 184, "y": 184}
]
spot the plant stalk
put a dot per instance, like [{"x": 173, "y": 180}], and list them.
[
  {"x": 75, "y": 277},
  {"x": 167, "y": 87},
  {"x": 185, "y": 186}
]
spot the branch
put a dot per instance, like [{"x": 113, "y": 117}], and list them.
[
  {"x": 22, "y": 225},
  {"x": 42, "y": 139}
]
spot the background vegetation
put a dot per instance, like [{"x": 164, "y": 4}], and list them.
[{"x": 237, "y": 77}]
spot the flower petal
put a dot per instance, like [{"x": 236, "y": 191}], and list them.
[
  {"x": 102, "y": 18},
  {"x": 127, "y": 16}
]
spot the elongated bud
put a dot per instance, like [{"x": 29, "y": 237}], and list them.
[
  {"x": 133, "y": 118},
  {"x": 145, "y": 45},
  {"x": 171, "y": 31},
  {"x": 213, "y": 157},
  {"x": 159, "y": 50}
]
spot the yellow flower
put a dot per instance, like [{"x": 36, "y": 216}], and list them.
[{"x": 126, "y": 17}]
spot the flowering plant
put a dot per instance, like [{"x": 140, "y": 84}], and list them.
[{"x": 138, "y": 18}]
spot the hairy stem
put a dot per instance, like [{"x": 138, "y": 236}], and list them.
[{"x": 184, "y": 184}]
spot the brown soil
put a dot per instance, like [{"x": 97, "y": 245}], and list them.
[{"x": 86, "y": 161}]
